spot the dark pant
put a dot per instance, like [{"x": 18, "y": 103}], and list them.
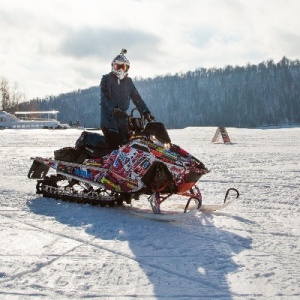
[{"x": 114, "y": 138}]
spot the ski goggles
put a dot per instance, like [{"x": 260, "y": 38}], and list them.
[{"x": 123, "y": 67}]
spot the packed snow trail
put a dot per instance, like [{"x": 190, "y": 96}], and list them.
[{"x": 56, "y": 250}]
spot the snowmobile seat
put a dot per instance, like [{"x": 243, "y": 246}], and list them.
[
  {"x": 91, "y": 145},
  {"x": 92, "y": 139}
]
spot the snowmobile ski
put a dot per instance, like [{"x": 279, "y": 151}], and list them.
[{"x": 217, "y": 207}]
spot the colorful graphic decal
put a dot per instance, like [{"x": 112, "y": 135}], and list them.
[{"x": 122, "y": 169}]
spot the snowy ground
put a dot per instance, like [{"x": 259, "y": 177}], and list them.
[{"x": 55, "y": 250}]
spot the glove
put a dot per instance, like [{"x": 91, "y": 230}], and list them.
[
  {"x": 119, "y": 114},
  {"x": 147, "y": 115}
]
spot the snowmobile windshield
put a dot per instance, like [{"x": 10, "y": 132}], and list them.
[{"x": 159, "y": 130}]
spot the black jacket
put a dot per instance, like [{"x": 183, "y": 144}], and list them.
[{"x": 115, "y": 93}]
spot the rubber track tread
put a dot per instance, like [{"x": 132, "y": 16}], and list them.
[{"x": 49, "y": 189}]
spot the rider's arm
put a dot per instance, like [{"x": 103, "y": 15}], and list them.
[
  {"x": 105, "y": 94},
  {"x": 137, "y": 100}
]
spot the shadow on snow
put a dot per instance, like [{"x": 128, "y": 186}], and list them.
[{"x": 188, "y": 260}]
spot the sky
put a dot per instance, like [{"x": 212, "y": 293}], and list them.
[{"x": 51, "y": 47}]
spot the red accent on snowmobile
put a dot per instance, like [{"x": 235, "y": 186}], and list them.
[{"x": 185, "y": 187}]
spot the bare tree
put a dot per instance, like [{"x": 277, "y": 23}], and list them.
[
  {"x": 10, "y": 97},
  {"x": 4, "y": 90},
  {"x": 16, "y": 97}
]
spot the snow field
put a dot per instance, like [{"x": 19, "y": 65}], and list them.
[{"x": 56, "y": 250}]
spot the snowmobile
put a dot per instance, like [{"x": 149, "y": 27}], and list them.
[{"x": 149, "y": 164}]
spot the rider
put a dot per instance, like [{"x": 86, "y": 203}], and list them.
[{"x": 116, "y": 90}]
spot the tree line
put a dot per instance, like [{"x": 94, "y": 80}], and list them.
[
  {"x": 248, "y": 96},
  {"x": 10, "y": 97}
]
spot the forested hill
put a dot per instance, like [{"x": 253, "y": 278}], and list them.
[{"x": 249, "y": 96}]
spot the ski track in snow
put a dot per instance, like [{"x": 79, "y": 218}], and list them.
[{"x": 52, "y": 249}]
